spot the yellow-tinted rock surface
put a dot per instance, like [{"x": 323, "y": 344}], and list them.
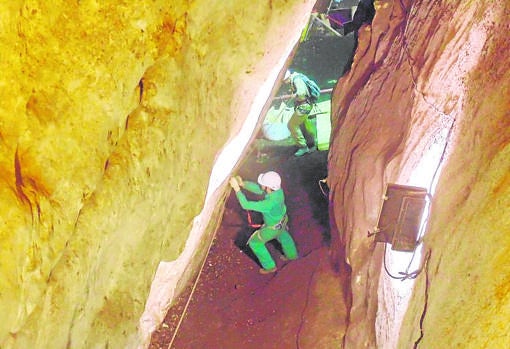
[
  {"x": 110, "y": 119},
  {"x": 112, "y": 114}
]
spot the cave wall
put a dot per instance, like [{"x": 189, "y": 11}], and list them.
[
  {"x": 427, "y": 77},
  {"x": 111, "y": 116}
]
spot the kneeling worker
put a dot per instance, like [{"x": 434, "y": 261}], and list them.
[{"x": 274, "y": 213}]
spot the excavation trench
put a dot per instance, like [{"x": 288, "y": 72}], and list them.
[
  {"x": 302, "y": 305},
  {"x": 233, "y": 306}
]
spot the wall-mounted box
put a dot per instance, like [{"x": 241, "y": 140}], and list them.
[{"x": 401, "y": 216}]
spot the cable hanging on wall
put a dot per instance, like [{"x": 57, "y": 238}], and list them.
[{"x": 403, "y": 217}]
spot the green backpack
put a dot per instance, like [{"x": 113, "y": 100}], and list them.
[{"x": 313, "y": 89}]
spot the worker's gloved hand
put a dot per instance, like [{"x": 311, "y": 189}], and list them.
[
  {"x": 234, "y": 184},
  {"x": 240, "y": 181}
]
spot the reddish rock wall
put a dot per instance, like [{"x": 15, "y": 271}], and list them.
[{"x": 416, "y": 76}]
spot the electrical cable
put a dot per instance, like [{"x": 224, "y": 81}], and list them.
[
  {"x": 429, "y": 197},
  {"x": 426, "y": 295},
  {"x": 326, "y": 195},
  {"x": 443, "y": 153},
  {"x": 404, "y": 275}
]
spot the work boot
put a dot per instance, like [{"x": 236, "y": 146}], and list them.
[
  {"x": 267, "y": 271},
  {"x": 302, "y": 151}
]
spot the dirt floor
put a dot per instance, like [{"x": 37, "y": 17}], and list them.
[
  {"x": 302, "y": 305},
  {"x": 233, "y": 306}
]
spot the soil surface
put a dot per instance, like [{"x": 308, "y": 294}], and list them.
[
  {"x": 302, "y": 304},
  {"x": 232, "y": 305}
]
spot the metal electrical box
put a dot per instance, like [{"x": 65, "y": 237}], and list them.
[{"x": 401, "y": 216}]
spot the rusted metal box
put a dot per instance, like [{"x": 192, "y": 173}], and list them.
[{"x": 401, "y": 216}]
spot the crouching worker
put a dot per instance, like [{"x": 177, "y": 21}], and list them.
[{"x": 274, "y": 213}]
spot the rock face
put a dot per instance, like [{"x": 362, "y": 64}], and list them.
[
  {"x": 426, "y": 100},
  {"x": 111, "y": 117}
]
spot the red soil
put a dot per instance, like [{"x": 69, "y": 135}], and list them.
[{"x": 232, "y": 305}]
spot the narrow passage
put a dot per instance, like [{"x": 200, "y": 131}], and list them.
[
  {"x": 302, "y": 305},
  {"x": 233, "y": 306}
]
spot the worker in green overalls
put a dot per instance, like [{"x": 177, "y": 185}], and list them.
[{"x": 274, "y": 213}]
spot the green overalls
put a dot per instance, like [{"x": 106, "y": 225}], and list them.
[{"x": 274, "y": 212}]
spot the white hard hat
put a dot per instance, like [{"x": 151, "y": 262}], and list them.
[
  {"x": 270, "y": 179},
  {"x": 287, "y": 75}
]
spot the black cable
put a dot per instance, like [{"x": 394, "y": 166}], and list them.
[
  {"x": 425, "y": 307},
  {"x": 404, "y": 275},
  {"x": 326, "y": 195}
]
